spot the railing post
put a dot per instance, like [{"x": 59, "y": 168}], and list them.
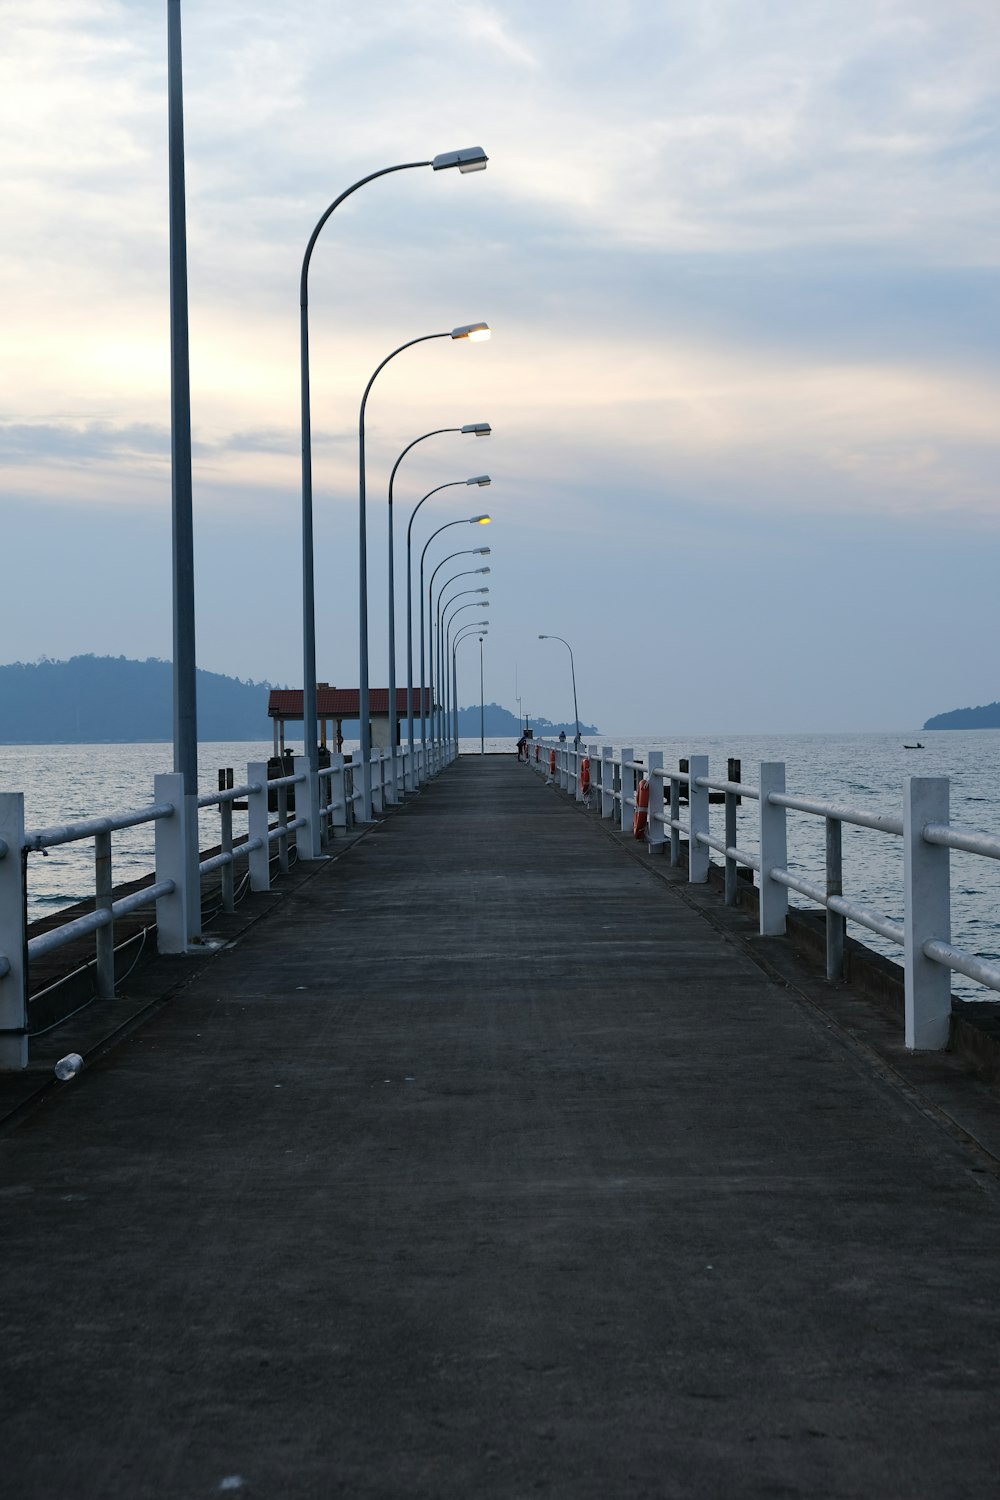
[
  {"x": 227, "y": 873},
  {"x": 655, "y": 831},
  {"x": 13, "y": 936},
  {"x": 390, "y": 794},
  {"x": 103, "y": 898},
  {"x": 377, "y": 773},
  {"x": 927, "y": 876},
  {"x": 257, "y": 820},
  {"x": 730, "y": 842},
  {"x": 675, "y": 813},
  {"x": 835, "y": 923},
  {"x": 607, "y": 782},
  {"x": 307, "y": 839},
  {"x": 338, "y": 793},
  {"x": 349, "y": 792},
  {"x": 698, "y": 853},
  {"x": 283, "y": 825},
  {"x": 173, "y": 933},
  {"x": 773, "y": 850},
  {"x": 627, "y": 788},
  {"x": 325, "y": 830}
]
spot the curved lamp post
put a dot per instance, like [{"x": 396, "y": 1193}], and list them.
[
  {"x": 434, "y": 651},
  {"x": 185, "y": 707},
  {"x": 464, "y": 634},
  {"x": 472, "y": 331},
  {"x": 481, "y": 480},
  {"x": 444, "y": 675},
  {"x": 478, "y": 429},
  {"x": 470, "y": 159},
  {"x": 569, "y": 648},
  {"x": 444, "y": 638},
  {"x": 483, "y": 520},
  {"x": 482, "y": 703}
]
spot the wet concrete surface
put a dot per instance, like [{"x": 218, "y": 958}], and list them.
[{"x": 484, "y": 1163}]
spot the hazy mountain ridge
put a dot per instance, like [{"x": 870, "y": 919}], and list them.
[
  {"x": 94, "y": 699},
  {"x": 498, "y": 721},
  {"x": 112, "y": 699},
  {"x": 986, "y": 716}
]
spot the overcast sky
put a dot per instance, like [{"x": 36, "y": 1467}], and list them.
[{"x": 740, "y": 259}]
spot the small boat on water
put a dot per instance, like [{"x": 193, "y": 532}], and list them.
[{"x": 917, "y": 746}]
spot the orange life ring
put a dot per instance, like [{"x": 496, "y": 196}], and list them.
[
  {"x": 585, "y": 775},
  {"x": 641, "y": 804},
  {"x": 552, "y": 762}
]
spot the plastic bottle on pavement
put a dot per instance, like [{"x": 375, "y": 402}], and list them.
[{"x": 69, "y": 1066}]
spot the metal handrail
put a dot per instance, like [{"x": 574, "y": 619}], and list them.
[
  {"x": 617, "y": 799},
  {"x": 230, "y": 794},
  {"x": 884, "y": 822},
  {"x": 969, "y": 840},
  {"x": 36, "y": 839},
  {"x": 58, "y": 937},
  {"x": 230, "y": 856},
  {"x": 735, "y": 788}
]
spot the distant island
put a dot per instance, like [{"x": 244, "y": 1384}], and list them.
[
  {"x": 987, "y": 716},
  {"x": 113, "y": 700},
  {"x": 110, "y": 699},
  {"x": 499, "y": 722}
]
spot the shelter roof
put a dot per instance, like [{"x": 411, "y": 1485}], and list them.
[{"x": 342, "y": 703}]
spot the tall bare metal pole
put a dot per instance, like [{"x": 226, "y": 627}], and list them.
[{"x": 185, "y": 682}]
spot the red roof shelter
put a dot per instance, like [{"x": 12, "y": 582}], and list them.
[{"x": 284, "y": 706}]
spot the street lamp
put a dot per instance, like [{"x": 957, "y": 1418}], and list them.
[
  {"x": 478, "y": 429},
  {"x": 444, "y": 676},
  {"x": 469, "y": 159},
  {"x": 185, "y": 715},
  {"x": 444, "y": 656},
  {"x": 482, "y": 480},
  {"x": 482, "y": 700},
  {"x": 572, "y": 668},
  {"x": 483, "y": 520},
  {"x": 466, "y": 331},
  {"x": 466, "y": 633},
  {"x": 434, "y": 643}
]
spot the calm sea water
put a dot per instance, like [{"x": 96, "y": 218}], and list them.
[{"x": 66, "y": 782}]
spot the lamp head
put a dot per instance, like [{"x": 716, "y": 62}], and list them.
[
  {"x": 474, "y": 332},
  {"x": 482, "y": 570},
  {"x": 481, "y": 429},
  {"x": 543, "y": 637},
  {"x": 481, "y": 479},
  {"x": 480, "y": 520},
  {"x": 469, "y": 159},
  {"x": 482, "y": 591},
  {"x": 480, "y": 551}
]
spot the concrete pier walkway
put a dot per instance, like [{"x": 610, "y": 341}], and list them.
[{"x": 487, "y": 1166}]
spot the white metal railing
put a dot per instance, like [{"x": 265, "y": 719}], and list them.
[
  {"x": 177, "y": 918},
  {"x": 925, "y": 932},
  {"x": 326, "y": 804}
]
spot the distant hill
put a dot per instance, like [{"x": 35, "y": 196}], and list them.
[
  {"x": 987, "y": 716},
  {"x": 498, "y": 722},
  {"x": 111, "y": 699},
  {"x": 96, "y": 699}
]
